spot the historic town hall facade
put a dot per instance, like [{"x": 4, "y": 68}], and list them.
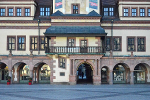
[{"x": 75, "y": 41}]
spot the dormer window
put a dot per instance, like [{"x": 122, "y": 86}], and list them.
[
  {"x": 44, "y": 11},
  {"x": 75, "y": 9},
  {"x": 108, "y": 11}
]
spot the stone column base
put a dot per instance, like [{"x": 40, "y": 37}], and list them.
[
  {"x": 97, "y": 80},
  {"x": 72, "y": 80}
]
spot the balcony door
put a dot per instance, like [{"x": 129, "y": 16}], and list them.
[{"x": 83, "y": 48}]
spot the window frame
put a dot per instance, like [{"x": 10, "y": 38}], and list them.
[
  {"x": 28, "y": 13},
  {"x": 10, "y": 12},
  {"x": 143, "y": 44},
  {"x": 34, "y": 43},
  {"x": 120, "y": 39},
  {"x": 21, "y": 43},
  {"x": 133, "y": 44},
  {"x": 124, "y": 12},
  {"x": 44, "y": 11},
  {"x": 109, "y": 11},
  {"x": 148, "y": 12},
  {"x": 71, "y": 41},
  {"x": 142, "y": 12},
  {"x": 65, "y": 62},
  {"x": 11, "y": 42},
  {"x": 1, "y": 13},
  {"x": 72, "y": 8},
  {"x": 20, "y": 12},
  {"x": 45, "y": 39},
  {"x": 134, "y": 12},
  {"x": 108, "y": 37}
]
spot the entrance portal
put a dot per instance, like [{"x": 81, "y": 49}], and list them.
[{"x": 84, "y": 74}]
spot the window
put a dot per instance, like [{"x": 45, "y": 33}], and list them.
[
  {"x": 2, "y": 12},
  {"x": 75, "y": 9},
  {"x": 71, "y": 42},
  {"x": 62, "y": 62},
  {"x": 117, "y": 44},
  {"x": 18, "y": 11},
  {"x": 43, "y": 43},
  {"x": 11, "y": 40},
  {"x": 109, "y": 11},
  {"x": 131, "y": 44},
  {"x": 133, "y": 12},
  {"x": 148, "y": 12},
  {"x": 108, "y": 41},
  {"x": 21, "y": 42},
  {"x": 27, "y": 12},
  {"x": 44, "y": 11},
  {"x": 141, "y": 44},
  {"x": 34, "y": 43},
  {"x": 10, "y": 13},
  {"x": 125, "y": 12},
  {"x": 142, "y": 12}
]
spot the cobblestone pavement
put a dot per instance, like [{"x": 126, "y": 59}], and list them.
[{"x": 74, "y": 92}]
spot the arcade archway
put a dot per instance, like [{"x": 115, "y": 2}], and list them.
[
  {"x": 104, "y": 74},
  {"x": 3, "y": 73},
  {"x": 84, "y": 74}
]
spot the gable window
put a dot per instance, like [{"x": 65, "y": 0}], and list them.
[
  {"x": 11, "y": 40},
  {"x": 148, "y": 12},
  {"x": 133, "y": 12},
  {"x": 21, "y": 42},
  {"x": 71, "y": 42},
  {"x": 43, "y": 43},
  {"x": 75, "y": 9},
  {"x": 44, "y": 11},
  {"x": 131, "y": 44},
  {"x": 108, "y": 11},
  {"x": 141, "y": 44},
  {"x": 108, "y": 41},
  {"x": 2, "y": 12},
  {"x": 18, "y": 11},
  {"x": 10, "y": 12},
  {"x": 62, "y": 62},
  {"x": 142, "y": 12},
  {"x": 27, "y": 12},
  {"x": 34, "y": 43},
  {"x": 125, "y": 12},
  {"x": 117, "y": 44}
]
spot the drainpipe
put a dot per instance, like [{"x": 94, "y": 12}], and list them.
[
  {"x": 38, "y": 36},
  {"x": 112, "y": 21}
]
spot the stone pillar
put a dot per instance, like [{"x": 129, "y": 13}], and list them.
[
  {"x": 72, "y": 77},
  {"x": 110, "y": 77},
  {"x": 10, "y": 74},
  {"x": 31, "y": 75},
  {"x": 131, "y": 77}
]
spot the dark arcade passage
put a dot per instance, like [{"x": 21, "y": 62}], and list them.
[{"x": 84, "y": 74}]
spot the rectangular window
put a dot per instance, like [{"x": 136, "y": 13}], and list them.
[
  {"x": 44, "y": 11},
  {"x": 2, "y": 12},
  {"x": 148, "y": 12},
  {"x": 126, "y": 12},
  {"x": 27, "y": 12},
  {"x": 117, "y": 44},
  {"x": 18, "y": 11},
  {"x": 11, "y": 43},
  {"x": 108, "y": 41},
  {"x": 34, "y": 43},
  {"x": 43, "y": 43},
  {"x": 142, "y": 12},
  {"x": 141, "y": 44},
  {"x": 133, "y": 12},
  {"x": 75, "y": 9},
  {"x": 10, "y": 13},
  {"x": 109, "y": 11},
  {"x": 131, "y": 44},
  {"x": 71, "y": 42},
  {"x": 62, "y": 62},
  {"x": 21, "y": 42}
]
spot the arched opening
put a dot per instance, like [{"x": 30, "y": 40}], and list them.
[
  {"x": 140, "y": 73},
  {"x": 84, "y": 74},
  {"x": 24, "y": 73},
  {"x": 104, "y": 75},
  {"x": 121, "y": 73},
  {"x": 41, "y": 73},
  {"x": 3, "y": 73}
]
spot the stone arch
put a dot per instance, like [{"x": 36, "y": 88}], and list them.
[{"x": 4, "y": 72}]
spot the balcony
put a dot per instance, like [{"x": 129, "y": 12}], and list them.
[{"x": 74, "y": 50}]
